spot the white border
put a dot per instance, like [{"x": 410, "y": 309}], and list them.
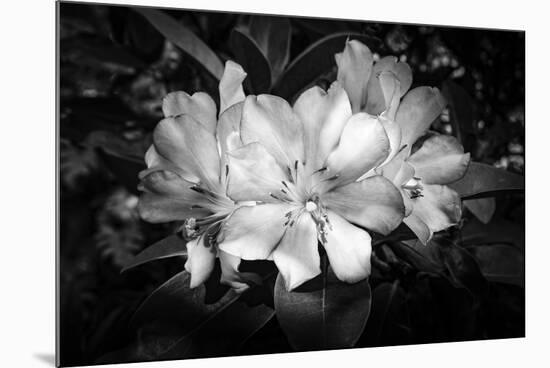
[{"x": 28, "y": 223}]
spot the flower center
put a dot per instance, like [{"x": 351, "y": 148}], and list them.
[
  {"x": 414, "y": 187},
  {"x": 319, "y": 215},
  {"x": 310, "y": 206}
]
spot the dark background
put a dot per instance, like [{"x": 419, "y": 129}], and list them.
[{"x": 114, "y": 69}]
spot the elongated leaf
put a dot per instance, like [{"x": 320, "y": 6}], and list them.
[
  {"x": 222, "y": 334},
  {"x": 195, "y": 326},
  {"x": 482, "y": 180},
  {"x": 500, "y": 263},
  {"x": 324, "y": 313},
  {"x": 482, "y": 208},
  {"x": 272, "y": 35},
  {"x": 461, "y": 108},
  {"x": 186, "y": 40},
  {"x": 253, "y": 61},
  {"x": 176, "y": 302},
  {"x": 314, "y": 61},
  {"x": 171, "y": 246}
]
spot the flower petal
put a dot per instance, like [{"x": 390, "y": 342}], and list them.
[
  {"x": 155, "y": 162},
  {"x": 199, "y": 106},
  {"x": 397, "y": 170},
  {"x": 363, "y": 146},
  {"x": 354, "y": 70},
  {"x": 439, "y": 207},
  {"x": 231, "y": 275},
  {"x": 168, "y": 197},
  {"x": 228, "y": 134},
  {"x": 348, "y": 250},
  {"x": 252, "y": 232},
  {"x": 271, "y": 121},
  {"x": 324, "y": 115},
  {"x": 418, "y": 109},
  {"x": 419, "y": 228},
  {"x": 440, "y": 160},
  {"x": 156, "y": 209},
  {"x": 230, "y": 87},
  {"x": 379, "y": 86},
  {"x": 393, "y": 132},
  {"x": 254, "y": 175},
  {"x": 374, "y": 203},
  {"x": 297, "y": 255},
  {"x": 188, "y": 145},
  {"x": 164, "y": 186},
  {"x": 200, "y": 261},
  {"x": 167, "y": 183}
]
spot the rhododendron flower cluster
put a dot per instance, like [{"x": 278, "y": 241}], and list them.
[{"x": 270, "y": 181}]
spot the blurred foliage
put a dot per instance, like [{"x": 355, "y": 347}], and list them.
[{"x": 116, "y": 64}]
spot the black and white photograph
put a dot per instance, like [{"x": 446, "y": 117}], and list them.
[{"x": 239, "y": 184}]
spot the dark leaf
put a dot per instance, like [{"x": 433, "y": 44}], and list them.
[
  {"x": 462, "y": 267},
  {"x": 324, "y": 313},
  {"x": 125, "y": 159},
  {"x": 100, "y": 54},
  {"x": 144, "y": 38},
  {"x": 186, "y": 40},
  {"x": 482, "y": 180},
  {"x": 461, "y": 107},
  {"x": 314, "y": 61},
  {"x": 500, "y": 263},
  {"x": 115, "y": 145},
  {"x": 253, "y": 61},
  {"x": 81, "y": 116},
  {"x": 224, "y": 333},
  {"x": 497, "y": 231},
  {"x": 175, "y": 301},
  {"x": 323, "y": 28},
  {"x": 272, "y": 35},
  {"x": 416, "y": 259},
  {"x": 387, "y": 320},
  {"x": 197, "y": 326},
  {"x": 171, "y": 246},
  {"x": 482, "y": 208},
  {"x": 401, "y": 233}
]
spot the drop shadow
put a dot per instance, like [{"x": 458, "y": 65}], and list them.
[{"x": 46, "y": 358}]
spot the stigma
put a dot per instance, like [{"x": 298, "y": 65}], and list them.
[{"x": 311, "y": 206}]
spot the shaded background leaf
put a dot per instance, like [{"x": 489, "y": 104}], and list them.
[
  {"x": 483, "y": 180},
  {"x": 314, "y": 61},
  {"x": 184, "y": 39},
  {"x": 272, "y": 35},
  {"x": 323, "y": 313},
  {"x": 251, "y": 58}
]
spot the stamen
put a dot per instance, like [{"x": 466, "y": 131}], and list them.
[
  {"x": 334, "y": 177},
  {"x": 290, "y": 176}
]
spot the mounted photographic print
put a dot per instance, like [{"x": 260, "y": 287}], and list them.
[{"x": 237, "y": 184}]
